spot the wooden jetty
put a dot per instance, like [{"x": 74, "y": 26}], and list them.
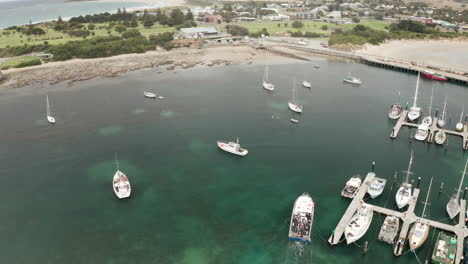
[
  {"x": 408, "y": 217},
  {"x": 432, "y": 130}
]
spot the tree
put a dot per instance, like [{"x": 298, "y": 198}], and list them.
[
  {"x": 177, "y": 16},
  {"x": 161, "y": 39},
  {"x": 134, "y": 23},
  {"x": 60, "y": 20},
  {"x": 279, "y": 25},
  {"x": 324, "y": 27},
  {"x": 131, "y": 33},
  {"x": 237, "y": 30},
  {"x": 91, "y": 27},
  {"x": 147, "y": 22},
  {"x": 285, "y": 24},
  {"x": 297, "y": 24},
  {"x": 356, "y": 20},
  {"x": 189, "y": 16},
  {"x": 120, "y": 28}
]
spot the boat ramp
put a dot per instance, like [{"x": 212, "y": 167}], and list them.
[
  {"x": 432, "y": 129},
  {"x": 408, "y": 217}
]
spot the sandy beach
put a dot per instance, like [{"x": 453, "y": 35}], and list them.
[
  {"x": 450, "y": 53},
  {"x": 85, "y": 69}
]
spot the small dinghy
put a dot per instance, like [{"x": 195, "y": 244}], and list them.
[
  {"x": 149, "y": 95},
  {"x": 316, "y": 66},
  {"x": 302, "y": 218},
  {"x": 121, "y": 183},
  {"x": 232, "y": 147},
  {"x": 161, "y": 97}
]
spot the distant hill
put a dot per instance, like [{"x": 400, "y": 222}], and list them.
[{"x": 455, "y": 4}]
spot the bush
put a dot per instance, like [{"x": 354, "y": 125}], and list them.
[
  {"x": 78, "y": 33},
  {"x": 324, "y": 27},
  {"x": 237, "y": 30},
  {"x": 311, "y": 35},
  {"x": 297, "y": 24},
  {"x": 161, "y": 39},
  {"x": 356, "y": 20},
  {"x": 296, "y": 34},
  {"x": 91, "y": 27},
  {"x": 120, "y": 28},
  {"x": 132, "y": 33},
  {"x": 29, "y": 63}
]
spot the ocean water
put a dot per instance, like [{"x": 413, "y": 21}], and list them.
[
  {"x": 191, "y": 202},
  {"x": 20, "y": 12}
]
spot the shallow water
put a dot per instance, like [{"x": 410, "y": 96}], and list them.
[{"x": 191, "y": 202}]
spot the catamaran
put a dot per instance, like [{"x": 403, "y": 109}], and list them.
[
  {"x": 149, "y": 95},
  {"x": 376, "y": 187},
  {"x": 50, "y": 118},
  {"x": 403, "y": 195},
  {"x": 453, "y": 207},
  {"x": 232, "y": 147},
  {"x": 267, "y": 85},
  {"x": 441, "y": 120},
  {"x": 396, "y": 109},
  {"x": 415, "y": 111},
  {"x": 121, "y": 183},
  {"x": 292, "y": 104},
  {"x": 352, "y": 79},
  {"x": 459, "y": 126},
  {"x": 419, "y": 231},
  {"x": 302, "y": 218},
  {"x": 351, "y": 188},
  {"x": 306, "y": 84},
  {"x": 359, "y": 223}
]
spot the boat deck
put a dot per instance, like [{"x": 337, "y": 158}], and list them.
[
  {"x": 432, "y": 130},
  {"x": 389, "y": 234},
  {"x": 408, "y": 217}
]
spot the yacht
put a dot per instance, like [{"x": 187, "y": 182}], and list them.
[
  {"x": 351, "y": 188},
  {"x": 415, "y": 111},
  {"x": 359, "y": 224},
  {"x": 389, "y": 229},
  {"x": 453, "y": 207},
  {"x": 352, "y": 79},
  {"x": 396, "y": 109},
  {"x": 440, "y": 137},
  {"x": 306, "y": 84},
  {"x": 149, "y": 95},
  {"x": 266, "y": 84},
  {"x": 376, "y": 187},
  {"x": 50, "y": 118},
  {"x": 422, "y": 132},
  {"x": 419, "y": 231},
  {"x": 293, "y": 105},
  {"x": 232, "y": 147},
  {"x": 403, "y": 195},
  {"x": 459, "y": 126},
  {"x": 302, "y": 218},
  {"x": 120, "y": 183},
  {"x": 441, "y": 120},
  {"x": 428, "y": 119}
]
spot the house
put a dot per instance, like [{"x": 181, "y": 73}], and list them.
[
  {"x": 276, "y": 17},
  {"x": 45, "y": 55},
  {"x": 196, "y": 33},
  {"x": 213, "y": 18},
  {"x": 312, "y": 14},
  {"x": 244, "y": 19}
]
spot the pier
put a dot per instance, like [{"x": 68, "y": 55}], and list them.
[
  {"x": 408, "y": 217},
  {"x": 432, "y": 129}
]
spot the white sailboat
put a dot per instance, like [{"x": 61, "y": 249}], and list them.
[
  {"x": 453, "y": 207},
  {"x": 352, "y": 79},
  {"x": 428, "y": 119},
  {"x": 419, "y": 231},
  {"x": 441, "y": 121},
  {"x": 415, "y": 111},
  {"x": 232, "y": 147},
  {"x": 459, "y": 126},
  {"x": 149, "y": 95},
  {"x": 359, "y": 224},
  {"x": 403, "y": 195},
  {"x": 396, "y": 109},
  {"x": 292, "y": 104},
  {"x": 306, "y": 84},
  {"x": 120, "y": 183},
  {"x": 50, "y": 118},
  {"x": 267, "y": 85},
  {"x": 440, "y": 137}
]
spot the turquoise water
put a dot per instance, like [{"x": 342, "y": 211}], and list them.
[
  {"x": 191, "y": 202},
  {"x": 20, "y": 12}
]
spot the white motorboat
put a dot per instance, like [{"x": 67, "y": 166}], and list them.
[
  {"x": 149, "y": 95},
  {"x": 453, "y": 207},
  {"x": 440, "y": 137},
  {"x": 389, "y": 229},
  {"x": 441, "y": 120},
  {"x": 459, "y": 126},
  {"x": 419, "y": 231},
  {"x": 293, "y": 105},
  {"x": 351, "y": 188},
  {"x": 267, "y": 85},
  {"x": 415, "y": 111},
  {"x": 232, "y": 147},
  {"x": 352, "y": 79},
  {"x": 294, "y": 120},
  {"x": 50, "y": 118},
  {"x": 376, "y": 187},
  {"x": 422, "y": 132},
  {"x": 302, "y": 218},
  {"x": 120, "y": 183},
  {"x": 359, "y": 223},
  {"x": 403, "y": 196},
  {"x": 306, "y": 84}
]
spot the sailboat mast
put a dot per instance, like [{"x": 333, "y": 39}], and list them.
[
  {"x": 461, "y": 115},
  {"x": 416, "y": 92},
  {"x": 266, "y": 70},
  {"x": 48, "y": 108},
  {"x": 430, "y": 104},
  {"x": 294, "y": 86},
  {"x": 463, "y": 177},
  {"x": 408, "y": 172},
  {"x": 445, "y": 105},
  {"x": 116, "y": 161},
  {"x": 427, "y": 197}
]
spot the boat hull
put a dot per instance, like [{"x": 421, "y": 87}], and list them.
[
  {"x": 51, "y": 119},
  {"x": 306, "y": 84},
  {"x": 459, "y": 127},
  {"x": 149, "y": 95},
  {"x": 294, "y": 107},
  {"x": 352, "y": 82},
  {"x": 395, "y": 112},
  {"x": 268, "y": 86},
  {"x": 440, "y": 137},
  {"x": 418, "y": 235},
  {"x": 121, "y": 185},
  {"x": 414, "y": 113},
  {"x": 356, "y": 234},
  {"x": 433, "y": 77},
  {"x": 403, "y": 196},
  {"x": 225, "y": 146},
  {"x": 453, "y": 208},
  {"x": 422, "y": 132}
]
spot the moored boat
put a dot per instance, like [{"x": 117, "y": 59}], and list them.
[
  {"x": 440, "y": 137},
  {"x": 422, "y": 132},
  {"x": 441, "y": 120},
  {"x": 415, "y": 111},
  {"x": 445, "y": 249},
  {"x": 50, "y": 118},
  {"x": 419, "y": 231},
  {"x": 302, "y": 218},
  {"x": 120, "y": 183},
  {"x": 306, "y": 84},
  {"x": 232, "y": 147},
  {"x": 293, "y": 105},
  {"x": 352, "y": 79},
  {"x": 376, "y": 187},
  {"x": 433, "y": 76},
  {"x": 351, "y": 188},
  {"x": 396, "y": 109},
  {"x": 359, "y": 223},
  {"x": 389, "y": 229},
  {"x": 459, "y": 125},
  {"x": 266, "y": 84},
  {"x": 294, "y": 120},
  {"x": 403, "y": 195},
  {"x": 453, "y": 206},
  {"x": 149, "y": 95}
]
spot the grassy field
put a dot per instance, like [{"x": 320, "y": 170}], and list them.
[
  {"x": 53, "y": 37},
  {"x": 15, "y": 61}
]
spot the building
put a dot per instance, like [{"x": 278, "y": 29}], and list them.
[
  {"x": 244, "y": 19},
  {"x": 213, "y": 18},
  {"x": 276, "y": 17},
  {"x": 334, "y": 14},
  {"x": 196, "y": 33},
  {"x": 312, "y": 14}
]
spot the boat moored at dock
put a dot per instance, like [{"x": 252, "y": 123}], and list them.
[
  {"x": 419, "y": 231},
  {"x": 433, "y": 76},
  {"x": 453, "y": 206},
  {"x": 396, "y": 109},
  {"x": 415, "y": 111},
  {"x": 302, "y": 218},
  {"x": 376, "y": 187},
  {"x": 359, "y": 223},
  {"x": 444, "y": 249},
  {"x": 422, "y": 132},
  {"x": 403, "y": 195},
  {"x": 389, "y": 229},
  {"x": 352, "y": 186}
]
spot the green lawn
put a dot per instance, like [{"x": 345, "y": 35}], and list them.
[
  {"x": 17, "y": 60},
  {"x": 53, "y": 37}
]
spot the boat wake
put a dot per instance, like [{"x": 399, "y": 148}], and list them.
[{"x": 298, "y": 253}]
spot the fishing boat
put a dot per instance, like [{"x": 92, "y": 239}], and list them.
[
  {"x": 403, "y": 195},
  {"x": 419, "y": 231},
  {"x": 459, "y": 126},
  {"x": 359, "y": 223},
  {"x": 302, "y": 218},
  {"x": 440, "y": 137},
  {"x": 306, "y": 84},
  {"x": 376, "y": 187},
  {"x": 50, "y": 118},
  {"x": 433, "y": 76},
  {"x": 389, "y": 229},
  {"x": 120, "y": 183},
  {"x": 441, "y": 120},
  {"x": 422, "y": 132},
  {"x": 445, "y": 249},
  {"x": 352, "y": 79},
  {"x": 232, "y": 147},
  {"x": 453, "y": 207},
  {"x": 267, "y": 85},
  {"x": 351, "y": 188},
  {"x": 293, "y": 105},
  {"x": 396, "y": 109},
  {"x": 149, "y": 95},
  {"x": 415, "y": 111}
]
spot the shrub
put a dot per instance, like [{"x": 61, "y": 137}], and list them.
[
  {"x": 161, "y": 38},
  {"x": 29, "y": 63},
  {"x": 324, "y": 27},
  {"x": 78, "y": 33},
  {"x": 132, "y": 33},
  {"x": 311, "y": 35},
  {"x": 120, "y": 28},
  {"x": 356, "y": 20},
  {"x": 297, "y": 24},
  {"x": 237, "y": 30}
]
